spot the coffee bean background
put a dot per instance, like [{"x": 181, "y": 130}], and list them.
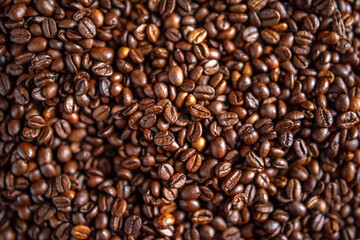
[{"x": 179, "y": 119}]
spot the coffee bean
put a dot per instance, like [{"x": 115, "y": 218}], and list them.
[
  {"x": 164, "y": 138},
  {"x": 228, "y": 119},
  {"x": 300, "y": 148},
  {"x": 118, "y": 207},
  {"x": 36, "y": 122},
  {"x": 199, "y": 111},
  {"x": 231, "y": 180},
  {"x": 20, "y": 35},
  {"x": 197, "y": 36},
  {"x": 165, "y": 171},
  {"x": 270, "y": 36},
  {"x": 323, "y": 117},
  {"x": 166, "y": 7},
  {"x": 202, "y": 216},
  {"x": 148, "y": 121},
  {"x": 177, "y": 180},
  {"x": 102, "y": 69},
  {"x": 254, "y": 161},
  {"x": 62, "y": 183},
  {"x": 49, "y": 27},
  {"x": 86, "y": 28},
  {"x": 204, "y": 92},
  {"x": 170, "y": 114},
  {"x": 164, "y": 221},
  {"x": 347, "y": 120},
  {"x": 269, "y": 17},
  {"x": 80, "y": 231}
]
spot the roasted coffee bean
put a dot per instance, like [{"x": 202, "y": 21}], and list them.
[
  {"x": 202, "y": 216},
  {"x": 199, "y": 111},
  {"x": 269, "y": 17},
  {"x": 165, "y": 171},
  {"x": 166, "y": 7},
  {"x": 231, "y": 180},
  {"x": 177, "y": 180},
  {"x": 132, "y": 225},
  {"x": 80, "y": 231},
  {"x": 20, "y": 35},
  {"x": 254, "y": 161},
  {"x": 323, "y": 117},
  {"x": 194, "y": 131},
  {"x": 228, "y": 119},
  {"x": 164, "y": 138},
  {"x": 347, "y": 120},
  {"x": 118, "y": 207},
  {"x": 86, "y": 28},
  {"x": 204, "y": 92},
  {"x": 62, "y": 183}
]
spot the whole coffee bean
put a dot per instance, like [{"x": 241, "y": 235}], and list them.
[
  {"x": 166, "y": 7},
  {"x": 36, "y": 122},
  {"x": 118, "y": 207},
  {"x": 197, "y": 36},
  {"x": 80, "y": 231},
  {"x": 347, "y": 120},
  {"x": 254, "y": 161},
  {"x": 165, "y": 171},
  {"x": 87, "y": 28},
  {"x": 164, "y": 221},
  {"x": 194, "y": 131},
  {"x": 269, "y": 17},
  {"x": 300, "y": 148},
  {"x": 204, "y": 92},
  {"x": 176, "y": 76},
  {"x": 270, "y": 36},
  {"x": 202, "y": 216},
  {"x": 231, "y": 180},
  {"x": 45, "y": 7},
  {"x": 177, "y": 180},
  {"x": 20, "y": 35},
  {"x": 218, "y": 147},
  {"x": 199, "y": 111},
  {"x": 102, "y": 69},
  {"x": 323, "y": 117},
  {"x": 49, "y": 27},
  {"x": 132, "y": 225},
  {"x": 170, "y": 114},
  {"x": 223, "y": 169},
  {"x": 164, "y": 138},
  {"x": 148, "y": 121},
  {"x": 62, "y": 183},
  {"x": 228, "y": 119}
]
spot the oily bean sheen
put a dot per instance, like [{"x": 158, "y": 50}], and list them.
[{"x": 179, "y": 119}]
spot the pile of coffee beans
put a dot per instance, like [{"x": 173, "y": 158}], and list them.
[{"x": 179, "y": 119}]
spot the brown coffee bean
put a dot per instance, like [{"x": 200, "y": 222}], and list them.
[
  {"x": 166, "y": 7},
  {"x": 323, "y": 117},
  {"x": 164, "y": 221},
  {"x": 164, "y": 138},
  {"x": 202, "y": 216},
  {"x": 177, "y": 180},
  {"x": 62, "y": 183},
  {"x": 118, "y": 207},
  {"x": 199, "y": 111},
  {"x": 80, "y": 231},
  {"x": 197, "y": 36},
  {"x": 36, "y": 122},
  {"x": 86, "y": 28},
  {"x": 254, "y": 161}
]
